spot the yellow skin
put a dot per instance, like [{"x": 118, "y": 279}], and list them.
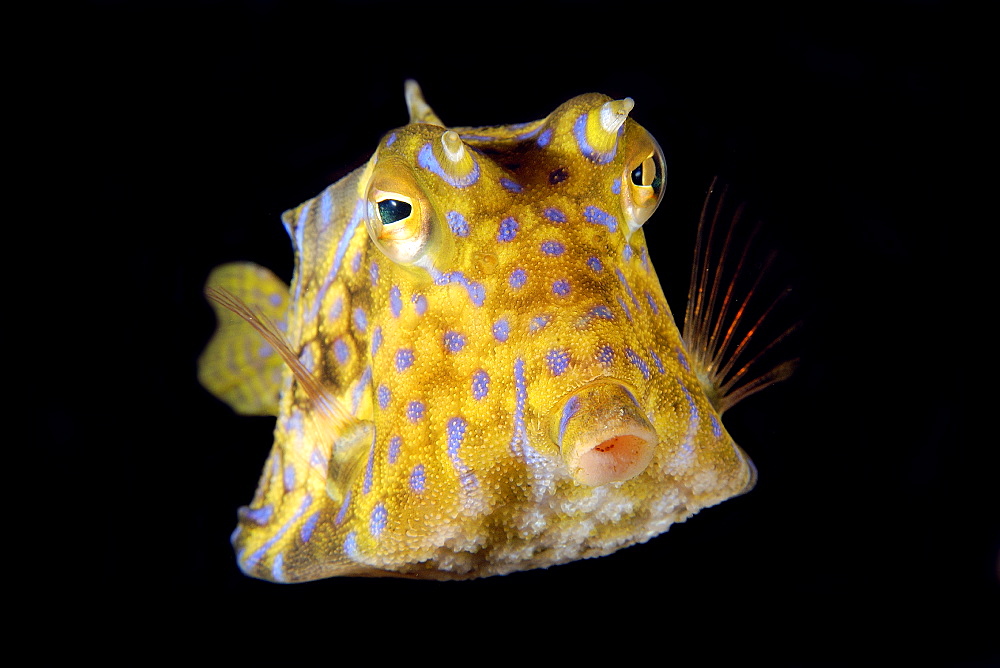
[{"x": 486, "y": 396}]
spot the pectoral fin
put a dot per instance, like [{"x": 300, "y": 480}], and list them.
[{"x": 238, "y": 366}]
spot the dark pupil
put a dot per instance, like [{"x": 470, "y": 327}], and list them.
[
  {"x": 392, "y": 210},
  {"x": 657, "y": 177},
  {"x": 637, "y": 175}
]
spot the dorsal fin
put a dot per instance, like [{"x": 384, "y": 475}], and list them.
[
  {"x": 420, "y": 111},
  {"x": 716, "y": 337}
]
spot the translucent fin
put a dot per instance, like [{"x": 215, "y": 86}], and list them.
[
  {"x": 716, "y": 329},
  {"x": 238, "y": 366},
  {"x": 420, "y": 111}
]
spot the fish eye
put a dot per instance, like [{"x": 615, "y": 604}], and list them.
[
  {"x": 644, "y": 178},
  {"x": 393, "y": 210}
]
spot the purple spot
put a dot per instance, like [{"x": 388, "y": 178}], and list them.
[
  {"x": 558, "y": 361},
  {"x": 561, "y": 287},
  {"x": 384, "y": 395},
  {"x": 351, "y": 545},
  {"x": 458, "y": 224},
  {"x": 360, "y": 319},
  {"x": 477, "y": 293},
  {"x": 605, "y": 354},
  {"x": 369, "y": 471},
  {"x": 356, "y": 262},
  {"x": 427, "y": 160},
  {"x": 510, "y": 185},
  {"x": 378, "y": 520},
  {"x": 419, "y": 304},
  {"x": 501, "y": 330},
  {"x": 603, "y": 312},
  {"x": 377, "y": 339},
  {"x": 544, "y": 138},
  {"x": 415, "y": 411},
  {"x": 616, "y": 186},
  {"x": 259, "y": 516},
  {"x": 404, "y": 359},
  {"x": 652, "y": 303},
  {"x": 600, "y": 217},
  {"x": 538, "y": 322},
  {"x": 627, "y": 252},
  {"x": 456, "y": 434},
  {"x": 638, "y": 362},
  {"x": 628, "y": 288},
  {"x": 571, "y": 408},
  {"x": 395, "y": 302},
  {"x": 555, "y": 215},
  {"x": 275, "y": 299},
  {"x": 306, "y": 532},
  {"x": 716, "y": 427},
  {"x": 454, "y": 341},
  {"x": 394, "y": 444},
  {"x": 342, "y": 513},
  {"x": 518, "y": 278},
  {"x": 289, "y": 478},
  {"x": 391, "y": 140},
  {"x": 553, "y": 248},
  {"x": 508, "y": 229},
  {"x": 336, "y": 309},
  {"x": 657, "y": 361},
  {"x": 480, "y": 384},
  {"x": 594, "y": 263},
  {"x": 373, "y": 272},
  {"x": 682, "y": 358},
  {"x": 341, "y": 351},
  {"x": 418, "y": 479},
  {"x": 628, "y": 313}
]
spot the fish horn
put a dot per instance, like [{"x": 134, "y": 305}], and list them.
[
  {"x": 420, "y": 111},
  {"x": 603, "y": 435},
  {"x": 597, "y": 131}
]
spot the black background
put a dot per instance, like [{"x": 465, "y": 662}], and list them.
[{"x": 183, "y": 130}]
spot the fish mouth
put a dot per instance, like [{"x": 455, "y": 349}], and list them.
[{"x": 603, "y": 435}]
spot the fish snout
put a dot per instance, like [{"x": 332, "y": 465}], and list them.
[{"x": 603, "y": 435}]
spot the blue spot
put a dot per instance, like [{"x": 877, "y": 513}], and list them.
[
  {"x": 627, "y": 252},
  {"x": 265, "y": 351},
  {"x": 544, "y": 138},
  {"x": 369, "y": 471},
  {"x": 342, "y": 513},
  {"x": 429, "y": 161},
  {"x": 306, "y": 357},
  {"x": 252, "y": 560},
  {"x": 638, "y": 362},
  {"x": 384, "y": 396},
  {"x": 561, "y": 287},
  {"x": 404, "y": 359},
  {"x": 336, "y": 309},
  {"x": 275, "y": 299},
  {"x": 391, "y": 140},
  {"x": 657, "y": 361},
  {"x": 395, "y": 302},
  {"x": 359, "y": 389},
  {"x": 317, "y": 460},
  {"x": 477, "y": 293},
  {"x": 341, "y": 351},
  {"x": 356, "y": 262},
  {"x": 415, "y": 411},
  {"x": 600, "y": 217},
  {"x": 603, "y": 312},
  {"x": 306, "y": 532},
  {"x": 539, "y": 321},
  {"x": 456, "y": 434},
  {"x": 628, "y": 288},
  {"x": 553, "y": 248},
  {"x": 558, "y": 361},
  {"x": 418, "y": 479},
  {"x": 454, "y": 341},
  {"x": 594, "y": 263},
  {"x": 458, "y": 224},
  {"x": 351, "y": 545},
  {"x": 278, "y": 568},
  {"x": 682, "y": 358},
  {"x": 360, "y": 319},
  {"x": 419, "y": 304},
  {"x": 555, "y": 215},
  {"x": 508, "y": 229},
  {"x": 616, "y": 186},
  {"x": 501, "y": 330},
  {"x": 518, "y": 278},
  {"x": 289, "y": 478},
  {"x": 628, "y": 313},
  {"x": 580, "y": 132},
  {"x": 373, "y": 272},
  {"x": 259, "y": 516},
  {"x": 716, "y": 427},
  {"x": 379, "y": 518},
  {"x": 693, "y": 408},
  {"x": 569, "y": 410},
  {"x": 394, "y": 444},
  {"x": 605, "y": 354},
  {"x": 480, "y": 384},
  {"x": 510, "y": 185},
  {"x": 520, "y": 447},
  {"x": 377, "y": 339},
  {"x": 652, "y": 303}
]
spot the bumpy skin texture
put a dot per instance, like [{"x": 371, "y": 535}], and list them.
[{"x": 459, "y": 368}]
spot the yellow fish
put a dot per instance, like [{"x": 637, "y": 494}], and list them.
[{"x": 475, "y": 370}]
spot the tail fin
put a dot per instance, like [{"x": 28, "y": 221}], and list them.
[
  {"x": 716, "y": 317},
  {"x": 238, "y": 366}
]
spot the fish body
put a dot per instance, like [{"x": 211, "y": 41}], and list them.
[{"x": 474, "y": 370}]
